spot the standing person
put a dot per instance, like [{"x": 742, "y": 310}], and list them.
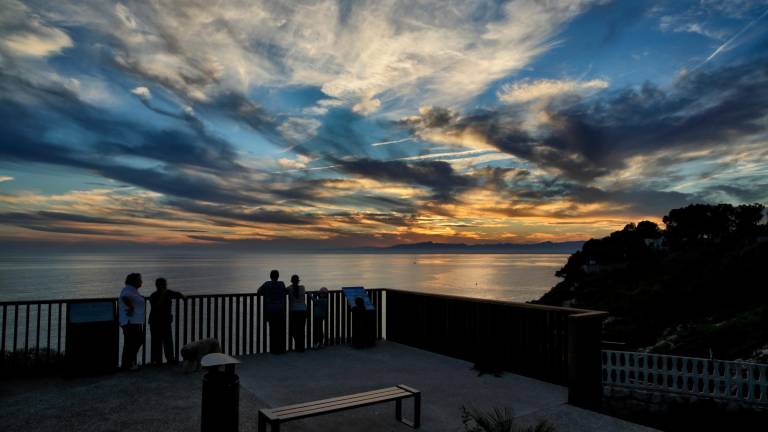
[
  {"x": 298, "y": 318},
  {"x": 131, "y": 314},
  {"x": 274, "y": 292},
  {"x": 160, "y": 319},
  {"x": 320, "y": 316}
]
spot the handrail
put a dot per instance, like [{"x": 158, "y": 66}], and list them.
[
  {"x": 31, "y": 327},
  {"x": 556, "y": 344},
  {"x": 497, "y": 302},
  {"x": 190, "y": 296}
]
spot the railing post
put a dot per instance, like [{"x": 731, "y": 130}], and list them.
[{"x": 585, "y": 383}]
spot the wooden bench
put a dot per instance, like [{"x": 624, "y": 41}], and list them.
[{"x": 277, "y": 416}]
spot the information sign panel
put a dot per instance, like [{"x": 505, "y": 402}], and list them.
[{"x": 352, "y": 293}]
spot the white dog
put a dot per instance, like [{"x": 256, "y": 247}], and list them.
[{"x": 194, "y": 351}]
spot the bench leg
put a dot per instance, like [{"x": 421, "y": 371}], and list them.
[
  {"x": 262, "y": 423},
  {"x": 416, "y": 410},
  {"x": 263, "y": 420},
  {"x": 416, "y": 423}
]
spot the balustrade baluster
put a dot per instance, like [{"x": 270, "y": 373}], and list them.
[
  {"x": 236, "y": 300},
  {"x": 185, "y": 327},
  {"x": 59, "y": 326},
  {"x": 192, "y": 321},
  {"x": 2, "y": 344},
  {"x": 216, "y": 318},
  {"x": 48, "y": 335},
  {"x": 26, "y": 330}
]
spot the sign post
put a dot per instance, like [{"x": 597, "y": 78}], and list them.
[{"x": 92, "y": 337}]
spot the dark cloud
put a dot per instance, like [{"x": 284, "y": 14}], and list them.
[
  {"x": 56, "y": 222},
  {"x": 238, "y": 107},
  {"x": 24, "y": 132},
  {"x": 431, "y": 117},
  {"x": 178, "y": 148},
  {"x": 375, "y": 201},
  {"x": 436, "y": 175},
  {"x": 393, "y": 219},
  {"x": 19, "y": 218},
  {"x": 258, "y": 215},
  {"x": 595, "y": 137},
  {"x": 740, "y": 193},
  {"x": 630, "y": 201},
  {"x": 75, "y": 230}
]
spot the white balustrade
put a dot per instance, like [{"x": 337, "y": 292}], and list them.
[{"x": 717, "y": 379}]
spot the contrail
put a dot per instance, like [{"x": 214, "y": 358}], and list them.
[
  {"x": 456, "y": 155},
  {"x": 391, "y": 142},
  {"x": 733, "y": 38}
]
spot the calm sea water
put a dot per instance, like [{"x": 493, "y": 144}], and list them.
[{"x": 516, "y": 277}]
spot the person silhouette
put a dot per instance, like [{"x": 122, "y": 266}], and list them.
[
  {"x": 362, "y": 335},
  {"x": 160, "y": 319},
  {"x": 131, "y": 315},
  {"x": 319, "y": 317},
  {"x": 298, "y": 317},
  {"x": 274, "y": 292}
]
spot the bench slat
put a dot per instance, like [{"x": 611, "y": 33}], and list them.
[
  {"x": 351, "y": 401},
  {"x": 339, "y": 407},
  {"x": 384, "y": 390},
  {"x": 408, "y": 389}
]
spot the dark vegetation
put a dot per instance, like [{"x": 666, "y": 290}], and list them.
[
  {"x": 498, "y": 420},
  {"x": 699, "y": 415},
  {"x": 21, "y": 363},
  {"x": 697, "y": 286}
]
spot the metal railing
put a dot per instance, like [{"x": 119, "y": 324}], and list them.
[
  {"x": 33, "y": 330},
  {"x": 36, "y": 332},
  {"x": 538, "y": 341},
  {"x": 555, "y": 344},
  {"x": 716, "y": 379}
]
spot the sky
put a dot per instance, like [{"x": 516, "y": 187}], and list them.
[{"x": 372, "y": 123}]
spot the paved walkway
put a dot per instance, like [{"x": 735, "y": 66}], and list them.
[{"x": 166, "y": 400}]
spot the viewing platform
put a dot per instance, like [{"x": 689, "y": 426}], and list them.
[
  {"x": 164, "y": 399},
  {"x": 429, "y": 342}
]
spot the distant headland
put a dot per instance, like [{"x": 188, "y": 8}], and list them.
[{"x": 510, "y": 248}]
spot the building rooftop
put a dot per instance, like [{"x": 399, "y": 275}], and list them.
[{"x": 165, "y": 399}]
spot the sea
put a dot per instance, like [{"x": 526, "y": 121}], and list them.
[{"x": 511, "y": 277}]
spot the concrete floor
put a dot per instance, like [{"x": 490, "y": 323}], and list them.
[{"x": 164, "y": 399}]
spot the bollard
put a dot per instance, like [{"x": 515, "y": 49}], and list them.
[{"x": 221, "y": 394}]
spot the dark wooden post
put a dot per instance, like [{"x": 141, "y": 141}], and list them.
[{"x": 585, "y": 382}]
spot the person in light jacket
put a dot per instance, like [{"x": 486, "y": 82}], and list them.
[
  {"x": 298, "y": 318},
  {"x": 131, "y": 314}
]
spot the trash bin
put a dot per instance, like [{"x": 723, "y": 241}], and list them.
[
  {"x": 221, "y": 394},
  {"x": 92, "y": 338}
]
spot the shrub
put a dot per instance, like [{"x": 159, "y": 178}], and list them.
[{"x": 498, "y": 420}]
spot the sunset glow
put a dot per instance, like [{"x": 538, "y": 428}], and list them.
[{"x": 343, "y": 124}]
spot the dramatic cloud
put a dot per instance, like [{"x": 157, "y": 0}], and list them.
[
  {"x": 437, "y": 176},
  {"x": 526, "y": 91},
  {"x": 25, "y": 34},
  {"x": 373, "y": 122},
  {"x": 354, "y": 52},
  {"x": 590, "y": 139}
]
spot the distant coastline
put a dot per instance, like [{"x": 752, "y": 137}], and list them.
[
  {"x": 267, "y": 248},
  {"x": 462, "y": 248}
]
